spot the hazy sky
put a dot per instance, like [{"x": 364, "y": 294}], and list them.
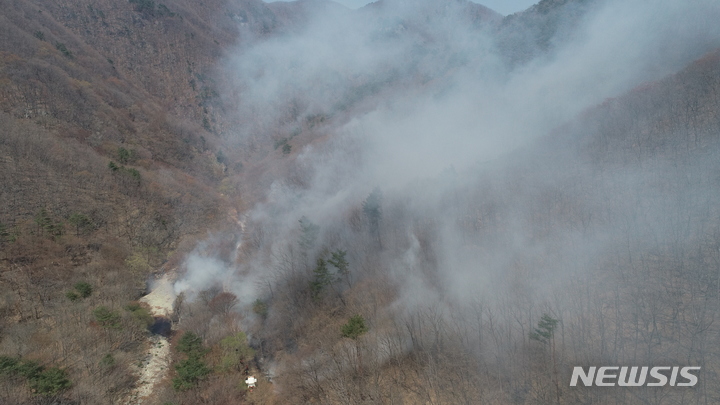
[{"x": 504, "y": 7}]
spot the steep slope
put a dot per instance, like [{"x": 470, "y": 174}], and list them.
[
  {"x": 609, "y": 224},
  {"x": 109, "y": 64},
  {"x": 111, "y": 160},
  {"x": 528, "y": 34},
  {"x": 119, "y": 153},
  {"x": 297, "y": 15}
]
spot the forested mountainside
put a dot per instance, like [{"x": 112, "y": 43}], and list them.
[
  {"x": 410, "y": 203},
  {"x": 619, "y": 214},
  {"x": 112, "y": 163}
]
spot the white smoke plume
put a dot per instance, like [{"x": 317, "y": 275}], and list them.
[{"x": 417, "y": 99}]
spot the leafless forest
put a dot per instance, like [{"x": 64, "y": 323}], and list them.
[{"x": 410, "y": 203}]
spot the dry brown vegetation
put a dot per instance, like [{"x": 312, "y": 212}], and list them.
[
  {"x": 109, "y": 165},
  {"x": 649, "y": 295},
  {"x": 87, "y": 83}
]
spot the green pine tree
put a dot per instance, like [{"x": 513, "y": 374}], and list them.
[
  {"x": 545, "y": 329},
  {"x": 191, "y": 370},
  {"x": 189, "y": 373},
  {"x": 190, "y": 344},
  {"x": 50, "y": 382},
  {"x": 372, "y": 208},
  {"x": 322, "y": 278},
  {"x": 354, "y": 328},
  {"x": 308, "y": 234},
  {"x": 341, "y": 264}
]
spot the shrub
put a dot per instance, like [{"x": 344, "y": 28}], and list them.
[
  {"x": 28, "y": 369},
  {"x": 144, "y": 6},
  {"x": 6, "y": 235},
  {"x": 82, "y": 223},
  {"x": 8, "y": 365},
  {"x": 260, "y": 308},
  {"x": 123, "y": 155},
  {"x": 106, "y": 317},
  {"x": 124, "y": 171},
  {"x": 280, "y": 142},
  {"x": 46, "y": 223},
  {"x": 84, "y": 289},
  {"x": 164, "y": 11},
  {"x": 134, "y": 173},
  {"x": 72, "y": 296},
  {"x": 220, "y": 157},
  {"x": 140, "y": 313},
  {"x": 107, "y": 361},
  {"x": 126, "y": 156},
  {"x": 50, "y": 382},
  {"x": 63, "y": 49},
  {"x": 44, "y": 382}
]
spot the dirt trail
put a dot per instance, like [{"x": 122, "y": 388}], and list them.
[
  {"x": 155, "y": 365},
  {"x": 162, "y": 297}
]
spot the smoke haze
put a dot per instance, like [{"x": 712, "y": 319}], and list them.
[
  {"x": 417, "y": 94},
  {"x": 488, "y": 191}
]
